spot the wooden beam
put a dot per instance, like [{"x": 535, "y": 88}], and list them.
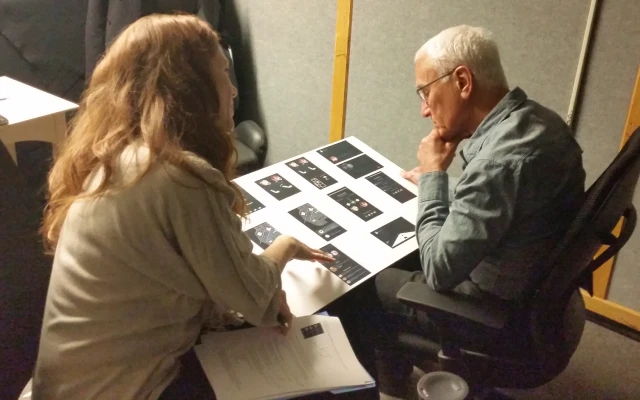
[
  {"x": 602, "y": 276},
  {"x": 340, "y": 70},
  {"x": 613, "y": 311},
  {"x": 633, "y": 118}
]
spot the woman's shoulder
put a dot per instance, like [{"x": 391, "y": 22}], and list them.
[
  {"x": 136, "y": 173},
  {"x": 135, "y": 169},
  {"x": 193, "y": 172}
]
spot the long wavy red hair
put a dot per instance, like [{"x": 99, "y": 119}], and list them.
[{"x": 155, "y": 87}]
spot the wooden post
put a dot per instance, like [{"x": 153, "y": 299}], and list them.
[{"x": 340, "y": 70}]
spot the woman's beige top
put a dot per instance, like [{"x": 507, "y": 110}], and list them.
[{"x": 136, "y": 275}]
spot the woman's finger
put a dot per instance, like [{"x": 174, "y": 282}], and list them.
[{"x": 287, "y": 326}]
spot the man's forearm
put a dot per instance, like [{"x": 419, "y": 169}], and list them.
[
  {"x": 433, "y": 210},
  {"x": 454, "y": 237}
]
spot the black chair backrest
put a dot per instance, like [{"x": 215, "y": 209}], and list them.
[{"x": 607, "y": 200}]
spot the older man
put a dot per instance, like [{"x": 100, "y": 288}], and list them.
[
  {"x": 522, "y": 179},
  {"x": 521, "y": 185}
]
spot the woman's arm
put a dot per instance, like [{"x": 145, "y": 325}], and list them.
[{"x": 210, "y": 239}]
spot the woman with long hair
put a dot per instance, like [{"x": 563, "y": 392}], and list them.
[{"x": 142, "y": 218}]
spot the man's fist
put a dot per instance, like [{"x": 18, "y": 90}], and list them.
[{"x": 434, "y": 154}]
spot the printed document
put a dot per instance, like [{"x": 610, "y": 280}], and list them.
[{"x": 260, "y": 363}]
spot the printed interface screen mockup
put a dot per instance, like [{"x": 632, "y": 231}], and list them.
[
  {"x": 315, "y": 220},
  {"x": 356, "y": 204},
  {"x": 277, "y": 186},
  {"x": 311, "y": 173},
  {"x": 395, "y": 232},
  {"x": 339, "y": 152},
  {"x": 383, "y": 182},
  {"x": 344, "y": 267}
]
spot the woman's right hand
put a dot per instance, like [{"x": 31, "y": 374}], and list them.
[
  {"x": 304, "y": 252},
  {"x": 287, "y": 248}
]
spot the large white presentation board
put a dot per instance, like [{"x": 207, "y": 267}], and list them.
[{"x": 344, "y": 198}]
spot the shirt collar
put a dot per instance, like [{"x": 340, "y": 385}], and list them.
[{"x": 508, "y": 103}]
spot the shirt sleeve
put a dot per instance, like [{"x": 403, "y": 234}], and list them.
[
  {"x": 455, "y": 236},
  {"x": 210, "y": 238},
  {"x": 453, "y": 182}
]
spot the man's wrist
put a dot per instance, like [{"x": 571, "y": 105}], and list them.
[{"x": 425, "y": 169}]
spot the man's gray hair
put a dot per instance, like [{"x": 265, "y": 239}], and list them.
[{"x": 468, "y": 46}]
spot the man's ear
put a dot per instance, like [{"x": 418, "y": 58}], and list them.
[{"x": 464, "y": 81}]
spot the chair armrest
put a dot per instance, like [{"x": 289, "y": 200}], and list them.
[
  {"x": 488, "y": 312},
  {"x": 252, "y": 135}
]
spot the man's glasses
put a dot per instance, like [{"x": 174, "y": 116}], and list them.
[{"x": 421, "y": 90}]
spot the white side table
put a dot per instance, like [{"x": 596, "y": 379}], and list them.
[{"x": 32, "y": 115}]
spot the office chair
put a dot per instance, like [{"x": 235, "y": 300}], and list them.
[{"x": 534, "y": 341}]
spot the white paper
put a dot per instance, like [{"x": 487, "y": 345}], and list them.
[
  {"x": 311, "y": 286},
  {"x": 23, "y": 102},
  {"x": 260, "y": 363}
]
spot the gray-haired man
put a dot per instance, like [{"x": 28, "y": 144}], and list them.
[{"x": 521, "y": 185}]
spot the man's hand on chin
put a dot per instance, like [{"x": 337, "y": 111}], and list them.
[{"x": 434, "y": 154}]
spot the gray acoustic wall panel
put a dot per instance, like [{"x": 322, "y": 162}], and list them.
[
  {"x": 611, "y": 74},
  {"x": 539, "y": 42},
  {"x": 285, "y": 62}
]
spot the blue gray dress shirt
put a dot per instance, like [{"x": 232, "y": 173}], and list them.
[{"x": 522, "y": 184}]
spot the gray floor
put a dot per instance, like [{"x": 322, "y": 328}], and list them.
[{"x": 606, "y": 366}]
